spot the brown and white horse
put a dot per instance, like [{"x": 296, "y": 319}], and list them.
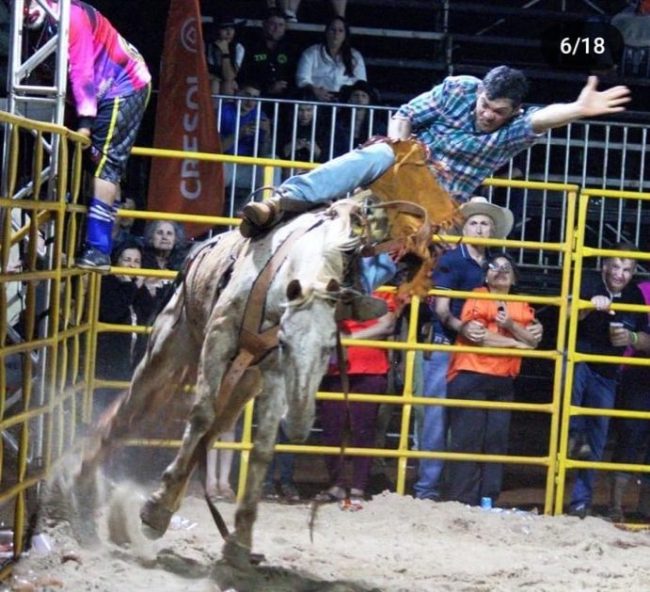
[{"x": 252, "y": 318}]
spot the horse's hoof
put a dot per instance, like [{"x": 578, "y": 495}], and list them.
[
  {"x": 149, "y": 532},
  {"x": 155, "y": 519},
  {"x": 239, "y": 556}
]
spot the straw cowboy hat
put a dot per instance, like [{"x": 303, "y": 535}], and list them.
[{"x": 502, "y": 217}]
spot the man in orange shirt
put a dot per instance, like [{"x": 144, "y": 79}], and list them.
[{"x": 481, "y": 377}]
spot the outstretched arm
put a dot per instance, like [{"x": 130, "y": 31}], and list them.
[{"x": 590, "y": 103}]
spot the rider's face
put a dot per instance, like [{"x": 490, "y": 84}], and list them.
[{"x": 493, "y": 114}]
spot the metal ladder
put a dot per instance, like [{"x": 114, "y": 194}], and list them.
[
  {"x": 44, "y": 102},
  {"x": 38, "y": 101}
]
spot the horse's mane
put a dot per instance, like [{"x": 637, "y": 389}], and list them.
[
  {"x": 327, "y": 243},
  {"x": 340, "y": 237}
]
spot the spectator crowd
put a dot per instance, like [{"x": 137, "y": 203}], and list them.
[{"x": 243, "y": 71}]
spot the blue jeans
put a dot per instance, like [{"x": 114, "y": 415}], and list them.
[
  {"x": 590, "y": 389},
  {"x": 434, "y": 425},
  {"x": 338, "y": 177},
  {"x": 341, "y": 175}
]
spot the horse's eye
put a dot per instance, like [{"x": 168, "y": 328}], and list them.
[{"x": 282, "y": 342}]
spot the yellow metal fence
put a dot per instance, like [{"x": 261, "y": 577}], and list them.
[
  {"x": 581, "y": 252},
  {"x": 40, "y": 398},
  {"x": 52, "y": 405}
]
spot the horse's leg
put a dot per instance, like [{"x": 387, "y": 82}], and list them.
[
  {"x": 201, "y": 427},
  {"x": 159, "y": 508},
  {"x": 270, "y": 407},
  {"x": 161, "y": 505}
]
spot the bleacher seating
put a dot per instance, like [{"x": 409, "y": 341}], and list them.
[{"x": 412, "y": 44}]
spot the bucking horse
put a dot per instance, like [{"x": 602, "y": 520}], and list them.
[{"x": 251, "y": 318}]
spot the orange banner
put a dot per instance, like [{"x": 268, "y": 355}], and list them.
[{"x": 185, "y": 120}]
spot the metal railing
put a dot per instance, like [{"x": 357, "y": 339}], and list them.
[
  {"x": 580, "y": 253},
  {"x": 38, "y": 407},
  {"x": 50, "y": 424},
  {"x": 599, "y": 154}
]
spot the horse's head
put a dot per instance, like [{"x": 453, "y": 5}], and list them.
[
  {"x": 307, "y": 336},
  {"x": 310, "y": 284}
]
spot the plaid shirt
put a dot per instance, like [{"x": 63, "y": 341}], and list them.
[{"x": 443, "y": 118}]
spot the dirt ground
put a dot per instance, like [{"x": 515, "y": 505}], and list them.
[{"x": 393, "y": 544}]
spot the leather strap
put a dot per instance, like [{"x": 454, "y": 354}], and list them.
[
  {"x": 405, "y": 207},
  {"x": 255, "y": 344}
]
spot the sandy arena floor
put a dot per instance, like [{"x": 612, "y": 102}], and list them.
[{"x": 393, "y": 544}]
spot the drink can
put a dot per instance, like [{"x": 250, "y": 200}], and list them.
[
  {"x": 614, "y": 328},
  {"x": 486, "y": 503}
]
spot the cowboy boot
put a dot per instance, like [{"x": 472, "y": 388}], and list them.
[
  {"x": 644, "y": 499},
  {"x": 358, "y": 307},
  {"x": 260, "y": 216},
  {"x": 263, "y": 213},
  {"x": 618, "y": 484}
]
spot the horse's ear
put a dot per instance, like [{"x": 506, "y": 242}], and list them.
[
  {"x": 333, "y": 286},
  {"x": 294, "y": 290}
]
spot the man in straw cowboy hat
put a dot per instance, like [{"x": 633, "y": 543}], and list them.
[
  {"x": 465, "y": 128},
  {"x": 461, "y": 268}
]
